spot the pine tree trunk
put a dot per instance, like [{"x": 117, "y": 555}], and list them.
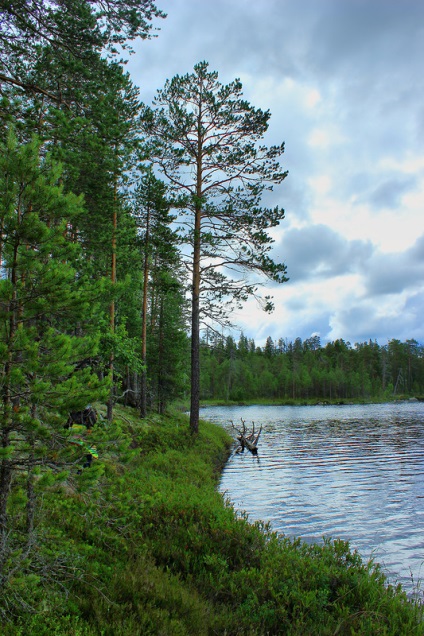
[
  {"x": 161, "y": 352},
  {"x": 6, "y": 468},
  {"x": 195, "y": 306},
  {"x": 143, "y": 396},
  {"x": 195, "y": 329},
  {"x": 5, "y": 485},
  {"x": 112, "y": 304}
]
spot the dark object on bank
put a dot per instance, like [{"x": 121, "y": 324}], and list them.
[
  {"x": 247, "y": 439},
  {"x": 88, "y": 460},
  {"x": 86, "y": 417}
]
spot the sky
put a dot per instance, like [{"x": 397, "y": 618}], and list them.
[{"x": 344, "y": 82}]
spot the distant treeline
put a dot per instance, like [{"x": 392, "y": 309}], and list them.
[{"x": 283, "y": 370}]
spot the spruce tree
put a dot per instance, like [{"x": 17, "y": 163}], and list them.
[
  {"x": 61, "y": 73},
  {"x": 48, "y": 331}
]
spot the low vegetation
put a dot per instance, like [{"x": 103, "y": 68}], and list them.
[{"x": 141, "y": 542}]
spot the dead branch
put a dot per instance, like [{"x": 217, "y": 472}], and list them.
[{"x": 247, "y": 439}]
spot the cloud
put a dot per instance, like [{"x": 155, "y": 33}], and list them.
[
  {"x": 316, "y": 251},
  {"x": 344, "y": 84},
  {"x": 380, "y": 322},
  {"x": 306, "y": 326},
  {"x": 396, "y": 272},
  {"x": 367, "y": 36},
  {"x": 388, "y": 192}
]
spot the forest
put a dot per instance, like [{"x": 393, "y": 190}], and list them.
[
  {"x": 291, "y": 372},
  {"x": 115, "y": 282},
  {"x": 103, "y": 263}
]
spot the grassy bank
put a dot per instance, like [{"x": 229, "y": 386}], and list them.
[{"x": 141, "y": 543}]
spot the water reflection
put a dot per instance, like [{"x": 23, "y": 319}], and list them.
[{"x": 354, "y": 472}]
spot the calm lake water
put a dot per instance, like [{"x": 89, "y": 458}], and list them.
[{"x": 350, "y": 472}]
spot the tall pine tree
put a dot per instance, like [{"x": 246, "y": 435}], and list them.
[{"x": 205, "y": 139}]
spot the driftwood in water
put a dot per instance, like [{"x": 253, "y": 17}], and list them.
[{"x": 247, "y": 439}]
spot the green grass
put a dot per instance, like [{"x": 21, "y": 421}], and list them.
[{"x": 142, "y": 543}]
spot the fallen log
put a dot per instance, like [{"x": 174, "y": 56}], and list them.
[{"x": 247, "y": 439}]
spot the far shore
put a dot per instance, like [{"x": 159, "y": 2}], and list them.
[{"x": 302, "y": 402}]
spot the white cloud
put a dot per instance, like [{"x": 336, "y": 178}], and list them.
[
  {"x": 324, "y": 137},
  {"x": 321, "y": 184},
  {"x": 344, "y": 84},
  {"x": 312, "y": 98}
]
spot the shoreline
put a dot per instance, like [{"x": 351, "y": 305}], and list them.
[{"x": 160, "y": 551}]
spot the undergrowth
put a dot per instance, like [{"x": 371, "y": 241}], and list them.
[{"x": 141, "y": 543}]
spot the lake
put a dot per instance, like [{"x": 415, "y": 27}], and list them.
[{"x": 350, "y": 472}]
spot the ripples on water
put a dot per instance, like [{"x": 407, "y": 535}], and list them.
[{"x": 350, "y": 472}]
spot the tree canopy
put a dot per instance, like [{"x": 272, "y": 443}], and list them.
[{"x": 71, "y": 32}]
